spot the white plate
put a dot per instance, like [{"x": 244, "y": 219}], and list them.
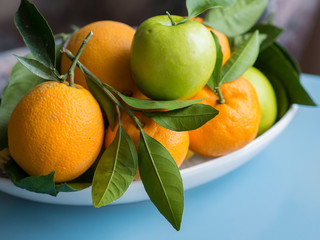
[{"x": 196, "y": 171}]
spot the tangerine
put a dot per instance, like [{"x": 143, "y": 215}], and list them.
[
  {"x": 236, "y": 124},
  {"x": 58, "y": 128},
  {"x": 106, "y": 55},
  {"x": 223, "y": 40},
  {"x": 177, "y": 143}
]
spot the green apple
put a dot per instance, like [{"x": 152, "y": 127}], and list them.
[
  {"x": 267, "y": 98},
  {"x": 172, "y": 60}
]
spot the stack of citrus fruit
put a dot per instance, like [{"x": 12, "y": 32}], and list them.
[{"x": 63, "y": 127}]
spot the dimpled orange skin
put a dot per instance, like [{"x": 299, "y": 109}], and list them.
[
  {"x": 56, "y": 127},
  {"x": 223, "y": 40},
  {"x": 106, "y": 55},
  {"x": 177, "y": 143},
  {"x": 236, "y": 124}
]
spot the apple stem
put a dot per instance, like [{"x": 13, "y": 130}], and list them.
[
  {"x": 170, "y": 17},
  {"x": 220, "y": 99}
]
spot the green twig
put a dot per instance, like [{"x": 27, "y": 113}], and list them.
[
  {"x": 76, "y": 60},
  {"x": 220, "y": 99},
  {"x": 107, "y": 89}
]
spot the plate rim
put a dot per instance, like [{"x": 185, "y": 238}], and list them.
[{"x": 232, "y": 161}]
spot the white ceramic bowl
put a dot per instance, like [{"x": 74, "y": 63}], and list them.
[{"x": 196, "y": 171}]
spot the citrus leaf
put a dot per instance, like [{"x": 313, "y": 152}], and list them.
[
  {"x": 290, "y": 59},
  {"x": 161, "y": 179},
  {"x": 243, "y": 58},
  {"x": 281, "y": 95},
  {"x": 215, "y": 77},
  {"x": 153, "y": 104},
  {"x": 272, "y": 32},
  {"x": 38, "y": 68},
  {"x": 80, "y": 183},
  {"x": 237, "y": 18},
  {"x": 184, "y": 119},
  {"x": 72, "y": 187},
  {"x": 115, "y": 170},
  {"x": 41, "y": 184},
  {"x": 36, "y": 33},
  {"x": 268, "y": 34},
  {"x": 103, "y": 99},
  {"x": 20, "y": 82},
  {"x": 274, "y": 64},
  {"x": 196, "y": 7}
]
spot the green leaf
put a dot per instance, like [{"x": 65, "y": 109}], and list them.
[
  {"x": 161, "y": 179},
  {"x": 153, "y": 104},
  {"x": 243, "y": 58},
  {"x": 281, "y": 95},
  {"x": 36, "y": 33},
  {"x": 72, "y": 187},
  {"x": 115, "y": 171},
  {"x": 184, "y": 119},
  {"x": 272, "y": 32},
  {"x": 80, "y": 183},
  {"x": 103, "y": 99},
  {"x": 41, "y": 184},
  {"x": 289, "y": 58},
  {"x": 215, "y": 77},
  {"x": 196, "y": 7},
  {"x": 20, "y": 82},
  {"x": 236, "y": 19},
  {"x": 268, "y": 34},
  {"x": 274, "y": 64},
  {"x": 38, "y": 68}
]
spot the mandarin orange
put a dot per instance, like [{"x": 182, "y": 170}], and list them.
[
  {"x": 107, "y": 54},
  {"x": 236, "y": 124},
  {"x": 58, "y": 128}
]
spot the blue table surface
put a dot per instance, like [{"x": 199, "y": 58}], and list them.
[{"x": 276, "y": 195}]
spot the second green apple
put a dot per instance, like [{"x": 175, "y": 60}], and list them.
[
  {"x": 267, "y": 98},
  {"x": 172, "y": 60}
]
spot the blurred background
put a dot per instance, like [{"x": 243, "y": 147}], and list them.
[{"x": 301, "y": 19}]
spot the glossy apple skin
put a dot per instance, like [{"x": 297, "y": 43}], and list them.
[
  {"x": 267, "y": 98},
  {"x": 172, "y": 62}
]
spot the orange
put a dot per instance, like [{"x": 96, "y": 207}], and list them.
[
  {"x": 177, "y": 143},
  {"x": 106, "y": 55},
  {"x": 56, "y": 128},
  {"x": 236, "y": 124},
  {"x": 223, "y": 40}
]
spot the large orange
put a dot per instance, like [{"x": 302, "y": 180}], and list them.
[
  {"x": 107, "y": 54},
  {"x": 56, "y": 127},
  {"x": 223, "y": 40},
  {"x": 177, "y": 143},
  {"x": 236, "y": 124}
]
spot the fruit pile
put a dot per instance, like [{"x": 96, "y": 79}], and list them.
[{"x": 108, "y": 104}]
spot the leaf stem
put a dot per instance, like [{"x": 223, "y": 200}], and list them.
[
  {"x": 76, "y": 59},
  {"x": 170, "y": 17},
  {"x": 107, "y": 89},
  {"x": 63, "y": 36},
  {"x": 220, "y": 99}
]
